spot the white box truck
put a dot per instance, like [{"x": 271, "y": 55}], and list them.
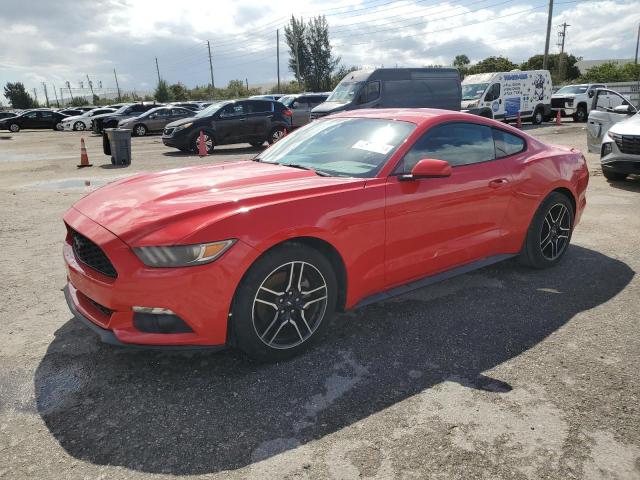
[{"x": 502, "y": 95}]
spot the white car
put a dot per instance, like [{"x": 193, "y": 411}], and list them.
[
  {"x": 613, "y": 131},
  {"x": 83, "y": 122}
]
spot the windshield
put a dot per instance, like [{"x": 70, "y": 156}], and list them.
[
  {"x": 346, "y": 147},
  {"x": 473, "y": 91},
  {"x": 287, "y": 100},
  {"x": 210, "y": 110},
  {"x": 344, "y": 92},
  {"x": 122, "y": 110},
  {"x": 573, "y": 89}
]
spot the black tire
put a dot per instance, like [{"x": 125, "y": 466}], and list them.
[
  {"x": 79, "y": 126},
  {"x": 139, "y": 130},
  {"x": 277, "y": 133},
  {"x": 58, "y": 127},
  {"x": 257, "y": 144},
  {"x": 538, "y": 116},
  {"x": 208, "y": 139},
  {"x": 614, "y": 176},
  {"x": 268, "y": 338},
  {"x": 581, "y": 114},
  {"x": 537, "y": 251},
  {"x": 14, "y": 127}
]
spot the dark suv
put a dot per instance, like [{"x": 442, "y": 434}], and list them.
[
  {"x": 232, "y": 121},
  {"x": 110, "y": 120}
]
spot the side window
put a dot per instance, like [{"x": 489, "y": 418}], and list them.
[
  {"x": 164, "y": 112},
  {"x": 507, "y": 143},
  {"x": 258, "y": 106},
  {"x": 47, "y": 115},
  {"x": 602, "y": 101},
  {"x": 372, "y": 91},
  {"x": 493, "y": 92},
  {"x": 32, "y": 115},
  {"x": 180, "y": 112},
  {"x": 233, "y": 109},
  {"x": 457, "y": 143}
]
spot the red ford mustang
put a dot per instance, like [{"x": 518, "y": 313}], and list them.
[{"x": 348, "y": 210}]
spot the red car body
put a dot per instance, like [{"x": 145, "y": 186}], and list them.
[{"x": 384, "y": 232}]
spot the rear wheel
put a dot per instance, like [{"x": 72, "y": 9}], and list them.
[
  {"x": 549, "y": 233},
  {"x": 14, "y": 127},
  {"x": 140, "y": 130},
  {"x": 78, "y": 126},
  {"x": 276, "y": 134},
  {"x": 285, "y": 300},
  {"x": 614, "y": 176}
]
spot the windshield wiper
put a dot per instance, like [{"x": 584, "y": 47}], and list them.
[{"x": 302, "y": 167}]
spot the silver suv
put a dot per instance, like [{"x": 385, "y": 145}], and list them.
[{"x": 155, "y": 120}]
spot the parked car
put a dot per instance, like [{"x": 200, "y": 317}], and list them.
[
  {"x": 193, "y": 106},
  {"x": 504, "y": 95},
  {"x": 110, "y": 120},
  {"x": 275, "y": 96},
  {"x": 613, "y": 131},
  {"x": 71, "y": 112},
  {"x": 154, "y": 120},
  {"x": 301, "y": 106},
  {"x": 394, "y": 87},
  {"x": 40, "y": 118},
  {"x": 83, "y": 122},
  {"x": 343, "y": 212},
  {"x": 230, "y": 121},
  {"x": 7, "y": 115},
  {"x": 86, "y": 108},
  {"x": 573, "y": 100}
]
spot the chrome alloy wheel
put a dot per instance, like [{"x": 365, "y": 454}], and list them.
[
  {"x": 290, "y": 305},
  {"x": 554, "y": 235},
  {"x": 208, "y": 142},
  {"x": 278, "y": 134}
]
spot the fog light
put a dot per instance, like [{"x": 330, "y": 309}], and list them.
[
  {"x": 606, "y": 149},
  {"x": 158, "y": 320}
]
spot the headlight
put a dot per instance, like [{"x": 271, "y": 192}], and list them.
[
  {"x": 182, "y": 255},
  {"x": 182, "y": 127},
  {"x": 472, "y": 104}
]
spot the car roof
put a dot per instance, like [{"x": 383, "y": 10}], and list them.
[{"x": 413, "y": 115}]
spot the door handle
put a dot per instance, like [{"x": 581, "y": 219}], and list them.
[{"x": 499, "y": 182}]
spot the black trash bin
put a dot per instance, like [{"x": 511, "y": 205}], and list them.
[{"x": 119, "y": 145}]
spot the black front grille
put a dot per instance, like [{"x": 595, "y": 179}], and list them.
[
  {"x": 559, "y": 102},
  {"x": 629, "y": 144},
  {"x": 91, "y": 255}
]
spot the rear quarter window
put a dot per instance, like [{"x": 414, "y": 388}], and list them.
[{"x": 507, "y": 143}]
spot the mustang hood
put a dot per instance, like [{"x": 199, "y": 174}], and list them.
[{"x": 136, "y": 207}]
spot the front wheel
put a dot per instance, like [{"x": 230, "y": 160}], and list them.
[
  {"x": 140, "y": 130},
  {"x": 14, "y": 127},
  {"x": 538, "y": 117},
  {"x": 549, "y": 233},
  {"x": 277, "y": 134},
  {"x": 208, "y": 142},
  {"x": 285, "y": 300},
  {"x": 581, "y": 114},
  {"x": 58, "y": 127},
  {"x": 78, "y": 126}
]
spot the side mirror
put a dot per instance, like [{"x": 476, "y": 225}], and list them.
[
  {"x": 428, "y": 168},
  {"x": 624, "y": 109}
]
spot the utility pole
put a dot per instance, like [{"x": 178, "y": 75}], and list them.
[
  {"x": 70, "y": 94},
  {"x": 55, "y": 92},
  {"x": 278, "y": 55},
  {"x": 91, "y": 87},
  {"x": 35, "y": 95},
  {"x": 545, "y": 61},
  {"x": 213, "y": 85},
  {"x": 637, "y": 43},
  {"x": 117, "y": 86},
  {"x": 561, "y": 37},
  {"x": 297, "y": 61},
  {"x": 62, "y": 95},
  {"x": 246, "y": 81},
  {"x": 158, "y": 69},
  {"x": 46, "y": 95}
]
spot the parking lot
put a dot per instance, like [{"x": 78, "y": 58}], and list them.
[{"x": 503, "y": 373}]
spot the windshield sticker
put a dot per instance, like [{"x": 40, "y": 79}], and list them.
[{"x": 374, "y": 147}]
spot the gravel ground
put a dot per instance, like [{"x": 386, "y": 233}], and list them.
[{"x": 503, "y": 373}]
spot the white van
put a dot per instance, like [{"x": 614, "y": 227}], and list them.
[{"x": 501, "y": 95}]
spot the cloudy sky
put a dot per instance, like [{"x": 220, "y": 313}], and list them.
[{"x": 64, "y": 40}]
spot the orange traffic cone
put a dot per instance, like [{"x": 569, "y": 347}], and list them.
[
  {"x": 518, "y": 121},
  {"x": 202, "y": 148},
  {"x": 84, "y": 158},
  {"x": 558, "y": 118}
]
